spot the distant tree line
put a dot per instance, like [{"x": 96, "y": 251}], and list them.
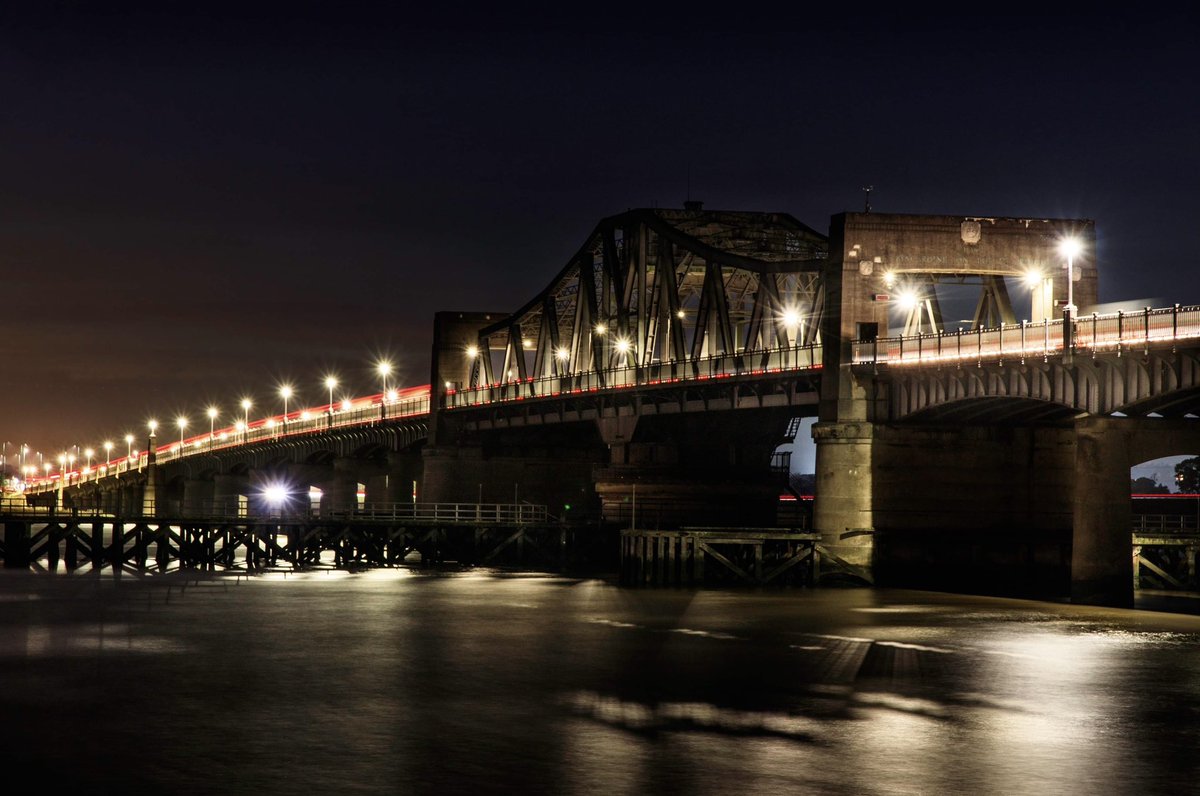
[{"x": 1187, "y": 480}]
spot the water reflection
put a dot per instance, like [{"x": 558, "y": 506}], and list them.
[{"x": 397, "y": 681}]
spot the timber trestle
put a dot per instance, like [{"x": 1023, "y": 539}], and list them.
[
  {"x": 718, "y": 556},
  {"x": 50, "y": 543}
]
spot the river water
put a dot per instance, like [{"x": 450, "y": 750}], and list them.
[{"x": 408, "y": 681}]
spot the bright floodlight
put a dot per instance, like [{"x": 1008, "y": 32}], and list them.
[
  {"x": 472, "y": 351},
  {"x": 791, "y": 317},
  {"x": 601, "y": 329},
  {"x": 563, "y": 354},
  {"x": 889, "y": 278},
  {"x": 275, "y": 494},
  {"x": 907, "y": 300},
  {"x": 623, "y": 346},
  {"x": 1033, "y": 278},
  {"x": 1070, "y": 247}
]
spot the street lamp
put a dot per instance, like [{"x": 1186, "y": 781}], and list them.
[
  {"x": 128, "y": 448},
  {"x": 285, "y": 392},
  {"x": 182, "y": 422},
  {"x": 385, "y": 370},
  {"x": 108, "y": 446},
  {"x": 1070, "y": 248},
  {"x": 212, "y": 418},
  {"x": 330, "y": 383},
  {"x": 89, "y": 453},
  {"x": 246, "y": 404}
]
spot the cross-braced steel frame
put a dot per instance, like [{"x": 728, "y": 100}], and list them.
[{"x": 668, "y": 291}]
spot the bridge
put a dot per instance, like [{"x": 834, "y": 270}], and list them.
[{"x": 653, "y": 378}]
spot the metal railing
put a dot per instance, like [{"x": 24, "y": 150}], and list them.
[
  {"x": 1093, "y": 333},
  {"x": 746, "y": 363},
  {"x": 458, "y": 513},
  {"x": 361, "y": 411}
]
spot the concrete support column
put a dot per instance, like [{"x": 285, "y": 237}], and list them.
[
  {"x": 341, "y": 492},
  {"x": 1101, "y": 553},
  {"x": 227, "y": 487},
  {"x": 197, "y": 497},
  {"x": 843, "y": 509},
  {"x": 403, "y": 470}
]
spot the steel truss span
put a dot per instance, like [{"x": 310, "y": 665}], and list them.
[{"x": 656, "y": 296}]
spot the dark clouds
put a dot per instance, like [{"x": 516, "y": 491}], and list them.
[{"x": 198, "y": 204}]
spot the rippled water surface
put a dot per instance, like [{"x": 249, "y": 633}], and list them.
[{"x": 397, "y": 681}]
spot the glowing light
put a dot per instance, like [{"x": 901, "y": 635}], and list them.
[
  {"x": 791, "y": 317},
  {"x": 88, "y": 452},
  {"x": 305, "y": 415},
  {"x": 246, "y": 404},
  {"x": 889, "y": 278},
  {"x": 679, "y": 314},
  {"x": 562, "y": 354},
  {"x": 1033, "y": 277},
  {"x": 472, "y": 351},
  {"x": 270, "y": 422},
  {"x": 153, "y": 424},
  {"x": 212, "y": 413},
  {"x": 239, "y": 425},
  {"x": 285, "y": 392},
  {"x": 1070, "y": 247},
  {"x": 346, "y": 404},
  {"x": 108, "y": 446},
  {"x": 526, "y": 342},
  {"x": 392, "y": 396},
  {"x": 275, "y": 494},
  {"x": 384, "y": 369},
  {"x": 182, "y": 422},
  {"x": 601, "y": 329},
  {"x": 330, "y": 382},
  {"x": 907, "y": 300},
  {"x": 623, "y": 345}
]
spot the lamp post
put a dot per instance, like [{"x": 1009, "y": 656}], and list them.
[
  {"x": 128, "y": 449},
  {"x": 89, "y": 453},
  {"x": 108, "y": 446},
  {"x": 212, "y": 419},
  {"x": 182, "y": 422},
  {"x": 285, "y": 392},
  {"x": 246, "y": 404},
  {"x": 1070, "y": 248},
  {"x": 330, "y": 383}
]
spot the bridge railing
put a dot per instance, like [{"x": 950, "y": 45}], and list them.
[
  {"x": 1089, "y": 333},
  {"x": 673, "y": 371},
  {"x": 463, "y": 513},
  {"x": 359, "y": 412}
]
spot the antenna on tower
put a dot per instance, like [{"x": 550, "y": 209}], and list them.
[{"x": 867, "y": 190}]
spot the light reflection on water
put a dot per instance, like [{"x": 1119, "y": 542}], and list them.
[{"x": 398, "y": 681}]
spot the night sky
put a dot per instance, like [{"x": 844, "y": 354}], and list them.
[{"x": 197, "y": 207}]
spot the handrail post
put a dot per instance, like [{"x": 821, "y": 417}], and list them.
[{"x": 1147, "y": 330}]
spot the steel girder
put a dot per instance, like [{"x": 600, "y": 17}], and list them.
[{"x": 665, "y": 286}]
